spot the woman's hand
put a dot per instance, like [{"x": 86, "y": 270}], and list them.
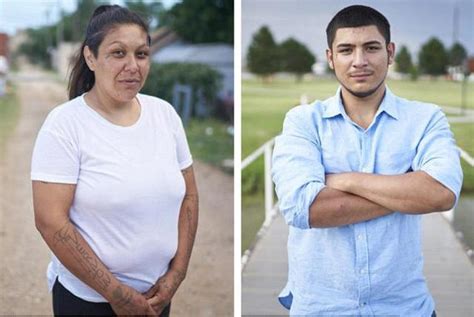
[
  {"x": 126, "y": 301},
  {"x": 159, "y": 296}
]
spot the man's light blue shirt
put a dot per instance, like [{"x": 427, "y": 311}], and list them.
[{"x": 373, "y": 267}]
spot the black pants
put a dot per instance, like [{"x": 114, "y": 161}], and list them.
[{"x": 65, "y": 304}]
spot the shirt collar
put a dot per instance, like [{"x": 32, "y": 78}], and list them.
[{"x": 334, "y": 107}]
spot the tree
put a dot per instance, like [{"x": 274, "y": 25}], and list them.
[
  {"x": 457, "y": 54},
  {"x": 403, "y": 60},
  {"x": 433, "y": 58},
  {"x": 262, "y": 55},
  {"x": 202, "y": 21},
  {"x": 296, "y": 58},
  {"x": 41, "y": 40},
  {"x": 150, "y": 12}
]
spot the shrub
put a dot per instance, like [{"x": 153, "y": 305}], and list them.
[{"x": 200, "y": 77}]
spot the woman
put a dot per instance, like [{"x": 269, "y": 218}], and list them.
[{"x": 113, "y": 184}]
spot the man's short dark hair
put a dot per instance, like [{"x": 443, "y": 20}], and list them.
[{"x": 357, "y": 16}]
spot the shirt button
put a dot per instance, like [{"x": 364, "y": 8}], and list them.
[
  {"x": 366, "y": 170},
  {"x": 359, "y": 236},
  {"x": 362, "y": 271},
  {"x": 363, "y": 304}
]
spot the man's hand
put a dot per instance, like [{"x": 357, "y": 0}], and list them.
[
  {"x": 338, "y": 181},
  {"x": 126, "y": 301},
  {"x": 159, "y": 296}
]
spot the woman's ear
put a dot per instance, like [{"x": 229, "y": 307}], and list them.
[{"x": 89, "y": 57}]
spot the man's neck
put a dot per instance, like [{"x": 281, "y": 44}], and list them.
[{"x": 362, "y": 110}]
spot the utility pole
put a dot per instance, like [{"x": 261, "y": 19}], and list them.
[
  {"x": 49, "y": 39},
  {"x": 60, "y": 27},
  {"x": 455, "y": 22}
]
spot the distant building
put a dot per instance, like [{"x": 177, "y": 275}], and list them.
[
  {"x": 4, "y": 45},
  {"x": 167, "y": 47},
  {"x": 62, "y": 58}
]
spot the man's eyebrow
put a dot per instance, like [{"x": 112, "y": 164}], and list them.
[
  {"x": 372, "y": 43},
  {"x": 344, "y": 45}
]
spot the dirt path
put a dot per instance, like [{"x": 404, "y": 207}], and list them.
[{"x": 208, "y": 289}]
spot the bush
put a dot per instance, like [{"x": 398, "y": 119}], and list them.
[{"x": 200, "y": 77}]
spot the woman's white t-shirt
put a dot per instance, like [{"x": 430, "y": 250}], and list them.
[{"x": 129, "y": 187}]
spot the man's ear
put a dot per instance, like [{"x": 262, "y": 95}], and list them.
[
  {"x": 329, "y": 58},
  {"x": 391, "y": 52},
  {"x": 89, "y": 57}
]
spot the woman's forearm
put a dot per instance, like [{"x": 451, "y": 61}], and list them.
[
  {"x": 76, "y": 255},
  {"x": 187, "y": 225}
]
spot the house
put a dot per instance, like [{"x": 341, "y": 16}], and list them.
[{"x": 167, "y": 47}]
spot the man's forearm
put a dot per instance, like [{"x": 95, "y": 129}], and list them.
[
  {"x": 414, "y": 192},
  {"x": 334, "y": 208}
]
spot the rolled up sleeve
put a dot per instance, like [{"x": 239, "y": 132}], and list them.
[
  {"x": 438, "y": 155},
  {"x": 297, "y": 168}
]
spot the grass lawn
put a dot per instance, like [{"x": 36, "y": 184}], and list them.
[
  {"x": 264, "y": 106},
  {"x": 210, "y": 142},
  {"x": 9, "y": 113},
  {"x": 253, "y": 216}
]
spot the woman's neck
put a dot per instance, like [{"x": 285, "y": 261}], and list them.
[{"x": 119, "y": 113}]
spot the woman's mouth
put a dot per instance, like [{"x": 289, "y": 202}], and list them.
[{"x": 130, "y": 82}]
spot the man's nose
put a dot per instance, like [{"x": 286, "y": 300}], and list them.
[{"x": 360, "y": 58}]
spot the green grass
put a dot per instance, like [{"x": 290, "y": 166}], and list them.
[
  {"x": 209, "y": 141},
  {"x": 9, "y": 114},
  {"x": 253, "y": 215},
  {"x": 464, "y": 134},
  {"x": 440, "y": 92},
  {"x": 264, "y": 106}
]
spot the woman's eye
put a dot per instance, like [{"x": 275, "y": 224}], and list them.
[
  {"x": 118, "y": 53},
  {"x": 142, "y": 54}
]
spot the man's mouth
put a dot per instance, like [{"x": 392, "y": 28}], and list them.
[{"x": 360, "y": 75}]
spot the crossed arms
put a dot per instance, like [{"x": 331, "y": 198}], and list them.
[
  {"x": 354, "y": 197},
  {"x": 311, "y": 198}
]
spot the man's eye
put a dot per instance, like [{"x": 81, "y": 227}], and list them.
[
  {"x": 345, "y": 51},
  {"x": 373, "y": 48}
]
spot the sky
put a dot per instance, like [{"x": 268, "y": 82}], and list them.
[
  {"x": 21, "y": 14},
  {"x": 412, "y": 22}
]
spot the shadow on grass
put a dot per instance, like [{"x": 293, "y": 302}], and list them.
[
  {"x": 9, "y": 114},
  {"x": 210, "y": 142}
]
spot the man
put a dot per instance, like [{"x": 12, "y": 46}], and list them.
[{"x": 353, "y": 174}]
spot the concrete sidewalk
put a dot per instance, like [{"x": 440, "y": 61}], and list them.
[{"x": 449, "y": 272}]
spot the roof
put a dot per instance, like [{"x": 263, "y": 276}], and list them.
[{"x": 217, "y": 54}]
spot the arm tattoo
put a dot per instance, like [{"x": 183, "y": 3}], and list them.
[
  {"x": 70, "y": 238},
  {"x": 120, "y": 298},
  {"x": 189, "y": 218},
  {"x": 191, "y": 197}
]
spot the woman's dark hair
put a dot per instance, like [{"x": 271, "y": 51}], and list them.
[
  {"x": 356, "y": 16},
  {"x": 104, "y": 19}
]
